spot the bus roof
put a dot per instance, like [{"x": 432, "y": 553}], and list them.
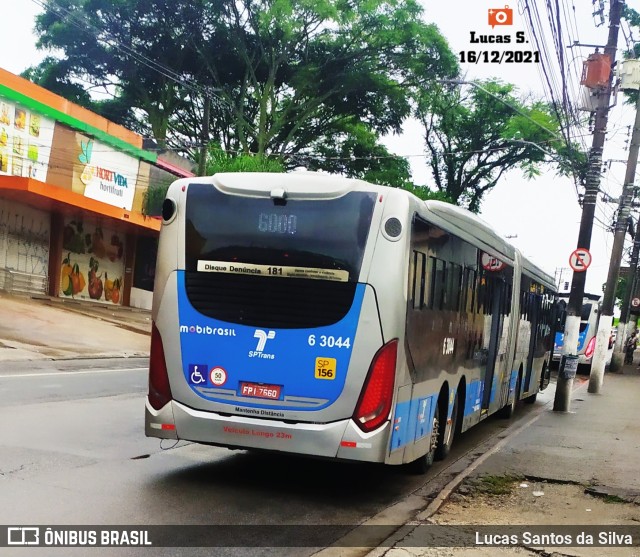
[
  {"x": 468, "y": 224},
  {"x": 586, "y": 296},
  {"x": 299, "y": 184}
]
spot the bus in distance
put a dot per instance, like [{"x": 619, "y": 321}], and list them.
[
  {"x": 325, "y": 316},
  {"x": 589, "y": 319}
]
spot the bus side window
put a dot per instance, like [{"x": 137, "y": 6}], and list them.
[
  {"x": 507, "y": 298},
  {"x": 419, "y": 284},
  {"x": 454, "y": 286},
  {"x": 464, "y": 290},
  {"x": 472, "y": 287},
  {"x": 439, "y": 277},
  {"x": 424, "y": 285},
  {"x": 415, "y": 280},
  {"x": 483, "y": 295}
]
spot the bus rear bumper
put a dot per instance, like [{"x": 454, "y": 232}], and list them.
[
  {"x": 341, "y": 439},
  {"x": 159, "y": 423}
]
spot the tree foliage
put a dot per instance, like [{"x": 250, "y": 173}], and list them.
[
  {"x": 291, "y": 78},
  {"x": 221, "y": 161},
  {"x": 474, "y": 136},
  {"x": 305, "y": 82}
]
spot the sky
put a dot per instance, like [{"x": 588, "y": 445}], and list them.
[{"x": 541, "y": 216}]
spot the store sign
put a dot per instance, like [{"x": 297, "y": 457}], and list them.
[
  {"x": 104, "y": 174},
  {"x": 25, "y": 142}
]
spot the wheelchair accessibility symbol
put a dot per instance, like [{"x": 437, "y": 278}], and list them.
[{"x": 197, "y": 374}]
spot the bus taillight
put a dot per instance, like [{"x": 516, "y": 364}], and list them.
[
  {"x": 159, "y": 388},
  {"x": 591, "y": 347},
  {"x": 374, "y": 405}
]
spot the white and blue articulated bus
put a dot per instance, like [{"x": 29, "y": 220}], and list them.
[{"x": 326, "y": 316}]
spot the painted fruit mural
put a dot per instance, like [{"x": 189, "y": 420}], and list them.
[{"x": 94, "y": 252}]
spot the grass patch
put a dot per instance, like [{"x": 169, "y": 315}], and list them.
[
  {"x": 497, "y": 485},
  {"x": 613, "y": 499}
]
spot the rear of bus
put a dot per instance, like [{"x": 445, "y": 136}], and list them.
[
  {"x": 589, "y": 317},
  {"x": 267, "y": 331}
]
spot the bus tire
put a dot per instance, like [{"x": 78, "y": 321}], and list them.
[
  {"x": 422, "y": 464},
  {"x": 447, "y": 433},
  {"x": 509, "y": 410},
  {"x": 531, "y": 399}
]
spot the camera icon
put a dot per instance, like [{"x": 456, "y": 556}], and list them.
[{"x": 500, "y": 16}]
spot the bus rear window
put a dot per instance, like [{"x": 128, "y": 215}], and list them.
[
  {"x": 585, "y": 312},
  {"x": 317, "y": 239}
]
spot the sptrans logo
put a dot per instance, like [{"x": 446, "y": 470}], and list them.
[
  {"x": 263, "y": 337},
  {"x": 206, "y": 330}
]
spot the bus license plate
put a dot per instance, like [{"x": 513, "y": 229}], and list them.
[{"x": 260, "y": 391}]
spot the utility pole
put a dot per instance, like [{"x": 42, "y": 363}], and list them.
[
  {"x": 566, "y": 374},
  {"x": 624, "y": 325},
  {"x": 630, "y": 80},
  {"x": 202, "y": 164},
  {"x": 604, "y": 324},
  {"x": 559, "y": 281}
]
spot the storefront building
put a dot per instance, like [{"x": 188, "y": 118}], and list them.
[{"x": 72, "y": 186}]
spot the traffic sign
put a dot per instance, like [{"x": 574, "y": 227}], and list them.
[
  {"x": 635, "y": 303},
  {"x": 491, "y": 263},
  {"x": 580, "y": 260}
]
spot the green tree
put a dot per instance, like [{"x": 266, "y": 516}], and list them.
[
  {"x": 217, "y": 161},
  {"x": 284, "y": 77},
  {"x": 141, "y": 54},
  {"x": 473, "y": 138},
  {"x": 221, "y": 161}
]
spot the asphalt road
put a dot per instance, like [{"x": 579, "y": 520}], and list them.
[{"x": 73, "y": 451}]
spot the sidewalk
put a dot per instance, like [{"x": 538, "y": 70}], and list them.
[
  {"x": 575, "y": 468},
  {"x": 40, "y": 327}
]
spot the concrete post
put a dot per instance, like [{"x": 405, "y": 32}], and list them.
[
  {"x": 597, "y": 371},
  {"x": 564, "y": 384}
]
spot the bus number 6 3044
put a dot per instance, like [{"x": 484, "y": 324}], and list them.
[{"x": 329, "y": 341}]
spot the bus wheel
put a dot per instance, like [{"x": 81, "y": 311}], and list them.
[
  {"x": 510, "y": 409},
  {"x": 447, "y": 432},
  {"x": 531, "y": 399},
  {"x": 422, "y": 464}
]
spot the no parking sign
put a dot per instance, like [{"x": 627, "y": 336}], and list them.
[{"x": 580, "y": 260}]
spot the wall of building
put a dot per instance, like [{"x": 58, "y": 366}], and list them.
[
  {"x": 80, "y": 238},
  {"x": 24, "y": 245}
]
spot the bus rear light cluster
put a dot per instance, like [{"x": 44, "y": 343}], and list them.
[
  {"x": 591, "y": 347},
  {"x": 159, "y": 388},
  {"x": 164, "y": 427},
  {"x": 374, "y": 405}
]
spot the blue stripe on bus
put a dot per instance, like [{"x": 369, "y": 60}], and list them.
[
  {"x": 582, "y": 338},
  {"x": 285, "y": 358},
  {"x": 474, "y": 397},
  {"x": 412, "y": 421}
]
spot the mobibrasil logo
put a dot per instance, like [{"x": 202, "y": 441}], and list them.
[
  {"x": 206, "y": 330},
  {"x": 262, "y": 337}
]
